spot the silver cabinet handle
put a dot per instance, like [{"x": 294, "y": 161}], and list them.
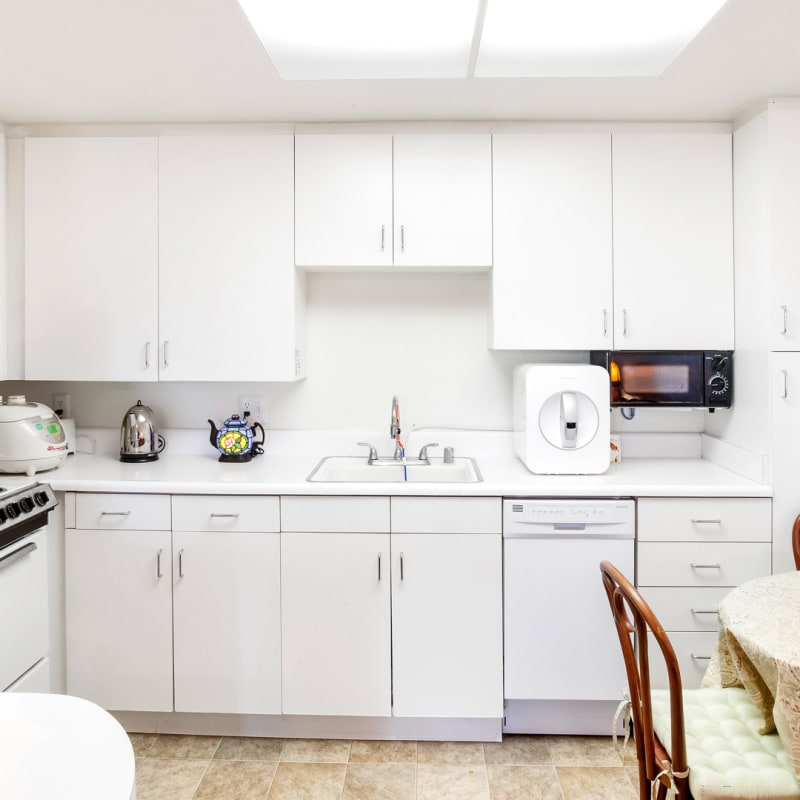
[
  {"x": 704, "y": 611},
  {"x": 402, "y": 573},
  {"x": 7, "y": 561},
  {"x": 402, "y": 238},
  {"x": 115, "y": 513},
  {"x": 705, "y": 566},
  {"x": 166, "y": 351},
  {"x": 785, "y": 311},
  {"x": 605, "y": 322},
  {"x": 147, "y": 355},
  {"x": 159, "y": 573},
  {"x": 624, "y": 321},
  {"x": 700, "y": 658},
  {"x": 706, "y": 521},
  {"x": 785, "y": 384},
  {"x": 224, "y": 516},
  {"x": 383, "y": 237},
  {"x": 180, "y": 563},
  {"x": 379, "y": 565}
]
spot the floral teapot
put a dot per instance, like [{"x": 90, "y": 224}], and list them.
[{"x": 236, "y": 440}]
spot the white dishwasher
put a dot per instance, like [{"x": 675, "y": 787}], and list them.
[{"x": 563, "y": 665}]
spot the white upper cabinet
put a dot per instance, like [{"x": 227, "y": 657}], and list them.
[
  {"x": 552, "y": 275},
  {"x": 229, "y": 297},
  {"x": 3, "y": 262},
  {"x": 406, "y": 201},
  {"x": 673, "y": 241},
  {"x": 91, "y": 258}
]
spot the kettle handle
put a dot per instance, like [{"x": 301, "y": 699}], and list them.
[
  {"x": 161, "y": 442},
  {"x": 257, "y": 448}
]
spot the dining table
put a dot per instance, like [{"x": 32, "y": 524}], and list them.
[{"x": 759, "y": 649}]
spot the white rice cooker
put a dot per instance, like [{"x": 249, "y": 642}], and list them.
[{"x": 31, "y": 437}]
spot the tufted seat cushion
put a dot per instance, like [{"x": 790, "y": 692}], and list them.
[{"x": 727, "y": 756}]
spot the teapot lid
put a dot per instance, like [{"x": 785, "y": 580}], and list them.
[{"x": 235, "y": 421}]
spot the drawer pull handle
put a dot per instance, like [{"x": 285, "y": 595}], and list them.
[
  {"x": 379, "y": 565},
  {"x": 706, "y": 521},
  {"x": 705, "y": 566},
  {"x": 402, "y": 570},
  {"x": 159, "y": 573},
  {"x": 7, "y": 561},
  {"x": 115, "y": 513},
  {"x": 704, "y": 611},
  {"x": 225, "y": 516},
  {"x": 700, "y": 658},
  {"x": 180, "y": 563}
]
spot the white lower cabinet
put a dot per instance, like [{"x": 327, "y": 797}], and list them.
[
  {"x": 209, "y": 595},
  {"x": 691, "y": 552},
  {"x": 405, "y": 606}
]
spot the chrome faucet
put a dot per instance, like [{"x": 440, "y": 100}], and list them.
[{"x": 394, "y": 429}]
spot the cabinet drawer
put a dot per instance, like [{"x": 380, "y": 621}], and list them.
[
  {"x": 225, "y": 513},
  {"x": 688, "y": 519},
  {"x": 332, "y": 514},
  {"x": 701, "y": 563},
  {"x": 447, "y": 515},
  {"x": 145, "y": 512},
  {"x": 694, "y": 651},
  {"x": 686, "y": 608}
]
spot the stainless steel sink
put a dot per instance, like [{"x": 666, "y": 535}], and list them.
[{"x": 355, "y": 469}]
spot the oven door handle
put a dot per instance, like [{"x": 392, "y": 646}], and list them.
[{"x": 6, "y": 561}]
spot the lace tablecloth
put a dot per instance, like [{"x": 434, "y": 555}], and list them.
[{"x": 759, "y": 649}]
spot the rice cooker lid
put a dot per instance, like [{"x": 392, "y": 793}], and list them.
[{"x": 15, "y": 412}]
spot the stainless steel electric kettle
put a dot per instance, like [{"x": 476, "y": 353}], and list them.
[{"x": 138, "y": 438}]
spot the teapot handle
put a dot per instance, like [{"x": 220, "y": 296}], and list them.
[
  {"x": 257, "y": 448},
  {"x": 162, "y": 443}
]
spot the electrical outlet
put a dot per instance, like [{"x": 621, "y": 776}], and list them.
[
  {"x": 61, "y": 404},
  {"x": 255, "y": 404}
]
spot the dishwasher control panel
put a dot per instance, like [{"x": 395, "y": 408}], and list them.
[{"x": 586, "y": 517}]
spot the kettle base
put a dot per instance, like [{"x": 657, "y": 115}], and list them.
[
  {"x": 137, "y": 458},
  {"x": 244, "y": 457}
]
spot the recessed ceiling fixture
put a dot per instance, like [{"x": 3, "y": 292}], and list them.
[{"x": 371, "y": 39}]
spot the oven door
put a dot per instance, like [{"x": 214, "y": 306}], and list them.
[
  {"x": 657, "y": 379},
  {"x": 23, "y": 606}
]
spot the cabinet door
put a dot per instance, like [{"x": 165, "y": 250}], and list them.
[
  {"x": 343, "y": 200},
  {"x": 228, "y": 292},
  {"x": 784, "y": 448},
  {"x": 227, "y": 622},
  {"x": 447, "y": 639},
  {"x": 119, "y": 618},
  {"x": 783, "y": 205},
  {"x": 335, "y": 619},
  {"x": 443, "y": 200},
  {"x": 673, "y": 241},
  {"x": 552, "y": 274},
  {"x": 91, "y": 259}
]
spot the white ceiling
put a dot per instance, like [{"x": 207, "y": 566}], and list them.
[{"x": 83, "y": 61}]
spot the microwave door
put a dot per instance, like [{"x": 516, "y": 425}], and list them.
[{"x": 665, "y": 381}]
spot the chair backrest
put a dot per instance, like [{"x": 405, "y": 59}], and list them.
[
  {"x": 796, "y": 541},
  {"x": 634, "y": 620}
]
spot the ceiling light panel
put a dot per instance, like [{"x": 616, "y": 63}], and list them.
[
  {"x": 587, "y": 38},
  {"x": 365, "y": 39}
]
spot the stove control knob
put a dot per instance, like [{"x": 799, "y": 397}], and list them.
[
  {"x": 25, "y": 504},
  {"x": 3, "y": 516},
  {"x": 40, "y": 498},
  {"x": 12, "y": 509}
]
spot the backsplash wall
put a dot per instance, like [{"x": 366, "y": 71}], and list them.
[{"x": 422, "y": 337}]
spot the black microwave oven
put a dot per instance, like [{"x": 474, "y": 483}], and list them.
[{"x": 669, "y": 378}]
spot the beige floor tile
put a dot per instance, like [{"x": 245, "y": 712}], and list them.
[
  {"x": 595, "y": 783},
  {"x": 309, "y": 781},
  {"x": 380, "y": 782},
  {"x": 242, "y": 780},
  {"x": 249, "y": 748},
  {"x": 333, "y": 751},
  {"x": 169, "y": 745},
  {"x": 452, "y": 782},
  {"x": 511, "y": 782},
  {"x": 383, "y": 752},
  {"x": 142, "y": 742},
  {"x": 450, "y": 753},
  {"x": 518, "y": 749},
  {"x": 169, "y": 778},
  {"x": 583, "y": 751}
]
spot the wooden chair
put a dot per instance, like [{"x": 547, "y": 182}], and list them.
[
  {"x": 683, "y": 736},
  {"x": 796, "y": 541}
]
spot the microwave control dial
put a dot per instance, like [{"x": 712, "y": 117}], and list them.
[{"x": 718, "y": 384}]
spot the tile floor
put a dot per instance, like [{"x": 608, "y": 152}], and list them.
[{"x": 171, "y": 767}]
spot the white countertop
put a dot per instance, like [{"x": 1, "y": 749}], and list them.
[{"x": 189, "y": 466}]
